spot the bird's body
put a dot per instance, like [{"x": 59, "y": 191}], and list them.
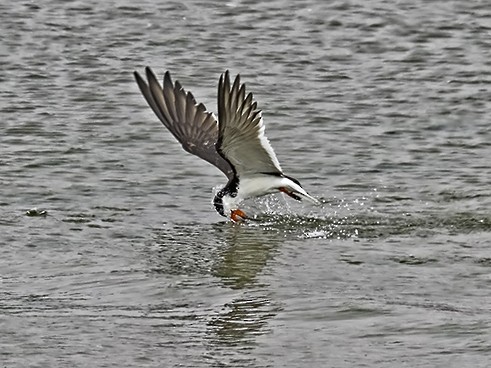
[{"x": 236, "y": 144}]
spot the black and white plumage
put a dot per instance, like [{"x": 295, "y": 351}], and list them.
[{"x": 236, "y": 144}]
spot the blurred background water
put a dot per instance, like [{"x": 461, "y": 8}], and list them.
[{"x": 111, "y": 254}]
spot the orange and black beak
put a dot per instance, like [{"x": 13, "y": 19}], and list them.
[
  {"x": 291, "y": 194},
  {"x": 237, "y": 215}
]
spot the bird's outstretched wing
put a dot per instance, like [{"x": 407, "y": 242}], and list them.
[
  {"x": 194, "y": 127},
  {"x": 241, "y": 138}
]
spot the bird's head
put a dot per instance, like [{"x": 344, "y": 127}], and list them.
[{"x": 226, "y": 202}]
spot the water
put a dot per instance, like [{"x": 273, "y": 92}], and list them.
[{"x": 381, "y": 110}]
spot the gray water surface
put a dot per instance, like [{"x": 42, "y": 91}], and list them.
[{"x": 111, "y": 254}]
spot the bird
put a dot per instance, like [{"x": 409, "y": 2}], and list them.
[{"x": 235, "y": 142}]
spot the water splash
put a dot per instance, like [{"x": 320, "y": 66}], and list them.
[{"x": 343, "y": 219}]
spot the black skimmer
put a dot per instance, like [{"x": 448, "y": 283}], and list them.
[{"x": 236, "y": 144}]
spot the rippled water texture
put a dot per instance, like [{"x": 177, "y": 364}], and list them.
[{"x": 111, "y": 254}]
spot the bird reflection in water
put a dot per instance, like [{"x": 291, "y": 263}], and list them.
[
  {"x": 212, "y": 274},
  {"x": 248, "y": 250}
]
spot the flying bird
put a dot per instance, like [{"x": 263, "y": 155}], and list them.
[{"x": 235, "y": 143}]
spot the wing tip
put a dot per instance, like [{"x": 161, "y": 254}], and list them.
[
  {"x": 150, "y": 74},
  {"x": 168, "y": 79},
  {"x": 138, "y": 78}
]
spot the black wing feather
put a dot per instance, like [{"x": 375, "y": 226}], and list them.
[{"x": 194, "y": 127}]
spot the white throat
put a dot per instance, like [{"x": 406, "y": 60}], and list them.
[{"x": 230, "y": 203}]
